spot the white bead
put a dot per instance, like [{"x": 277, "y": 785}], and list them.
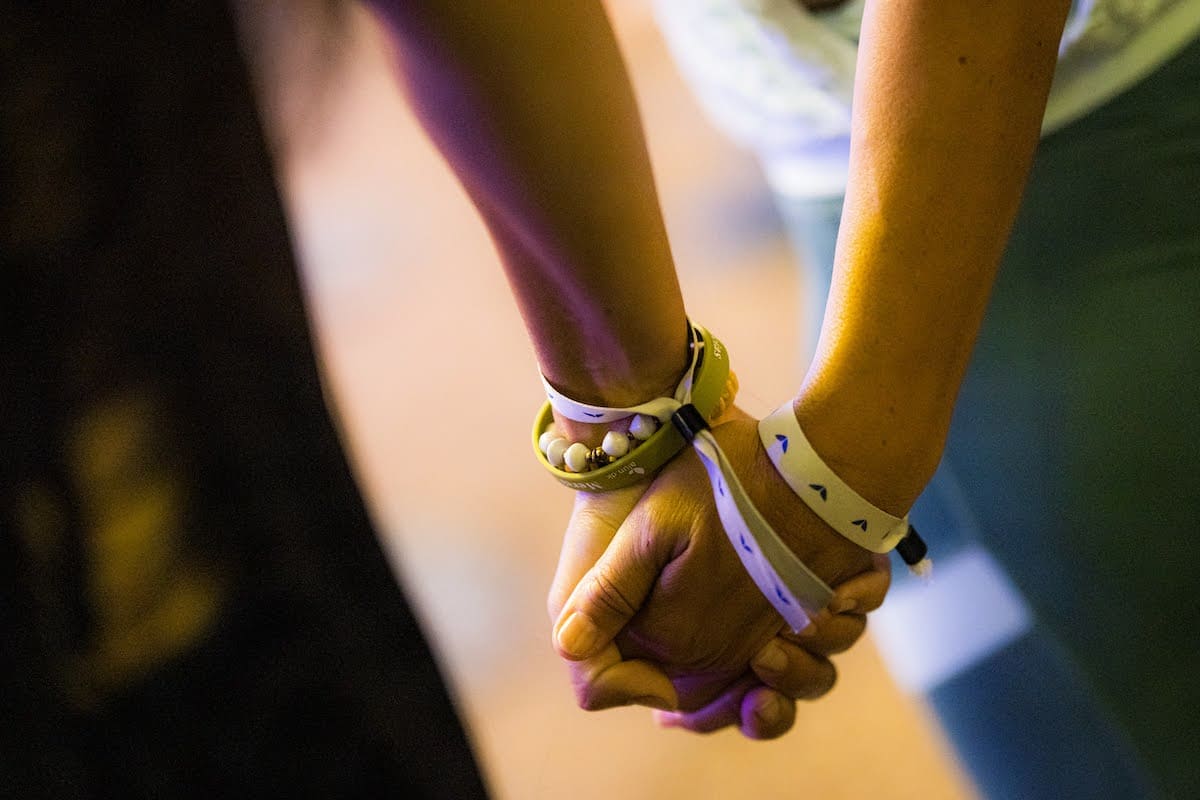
[
  {"x": 576, "y": 457},
  {"x": 615, "y": 444},
  {"x": 643, "y": 427},
  {"x": 555, "y": 452},
  {"x": 546, "y": 438}
]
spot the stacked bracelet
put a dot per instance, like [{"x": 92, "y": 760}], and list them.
[
  {"x": 707, "y": 384},
  {"x": 706, "y": 390}
]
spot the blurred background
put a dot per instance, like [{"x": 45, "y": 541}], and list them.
[{"x": 427, "y": 363}]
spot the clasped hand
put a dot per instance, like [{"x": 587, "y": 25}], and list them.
[{"x": 651, "y": 605}]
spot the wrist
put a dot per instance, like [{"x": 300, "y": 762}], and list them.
[
  {"x": 884, "y": 444},
  {"x": 657, "y": 429},
  {"x": 593, "y": 433},
  {"x": 617, "y": 368},
  {"x": 828, "y": 554},
  {"x": 613, "y": 382}
]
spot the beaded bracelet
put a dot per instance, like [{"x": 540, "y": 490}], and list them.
[
  {"x": 708, "y": 385},
  {"x": 577, "y": 457}
]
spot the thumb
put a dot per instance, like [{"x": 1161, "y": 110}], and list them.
[
  {"x": 595, "y": 520},
  {"x": 612, "y": 591}
]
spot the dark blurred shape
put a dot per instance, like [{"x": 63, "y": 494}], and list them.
[{"x": 192, "y": 600}]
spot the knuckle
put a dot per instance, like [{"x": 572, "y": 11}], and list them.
[
  {"x": 587, "y": 701},
  {"x": 776, "y": 728},
  {"x": 583, "y": 682},
  {"x": 605, "y": 594},
  {"x": 586, "y": 696},
  {"x": 823, "y": 681},
  {"x": 850, "y": 630},
  {"x": 772, "y": 717}
]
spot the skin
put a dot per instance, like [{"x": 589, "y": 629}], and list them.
[
  {"x": 535, "y": 114},
  {"x": 649, "y": 565},
  {"x": 947, "y": 111},
  {"x": 948, "y": 105},
  {"x": 554, "y": 159}
]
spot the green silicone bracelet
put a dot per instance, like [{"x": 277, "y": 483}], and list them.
[{"x": 708, "y": 384}]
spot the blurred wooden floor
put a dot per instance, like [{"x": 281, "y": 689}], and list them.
[{"x": 418, "y": 334}]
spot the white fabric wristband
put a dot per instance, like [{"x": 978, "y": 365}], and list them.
[
  {"x": 660, "y": 408},
  {"x": 788, "y": 584},
  {"x": 835, "y": 502}
]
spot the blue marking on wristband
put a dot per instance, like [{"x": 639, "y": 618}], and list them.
[{"x": 819, "y": 489}]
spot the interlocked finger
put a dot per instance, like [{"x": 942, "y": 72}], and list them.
[
  {"x": 839, "y": 626},
  {"x": 793, "y": 670},
  {"x": 759, "y": 712},
  {"x": 606, "y": 681},
  {"x": 766, "y": 713},
  {"x": 829, "y": 634}
]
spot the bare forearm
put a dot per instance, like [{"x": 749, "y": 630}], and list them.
[
  {"x": 531, "y": 105},
  {"x": 948, "y": 104}
]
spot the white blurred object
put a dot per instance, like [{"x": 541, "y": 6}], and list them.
[
  {"x": 929, "y": 632},
  {"x": 778, "y": 78}
]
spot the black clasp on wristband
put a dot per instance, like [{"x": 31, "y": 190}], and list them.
[
  {"x": 689, "y": 421},
  {"x": 912, "y": 547}
]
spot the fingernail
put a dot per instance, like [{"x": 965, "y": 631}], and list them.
[
  {"x": 769, "y": 710},
  {"x": 841, "y": 605},
  {"x": 814, "y": 624},
  {"x": 578, "y": 637},
  {"x": 652, "y": 701},
  {"x": 771, "y": 659},
  {"x": 667, "y": 719}
]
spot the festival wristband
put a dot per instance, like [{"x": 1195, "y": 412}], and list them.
[
  {"x": 788, "y": 584},
  {"x": 831, "y": 498}
]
